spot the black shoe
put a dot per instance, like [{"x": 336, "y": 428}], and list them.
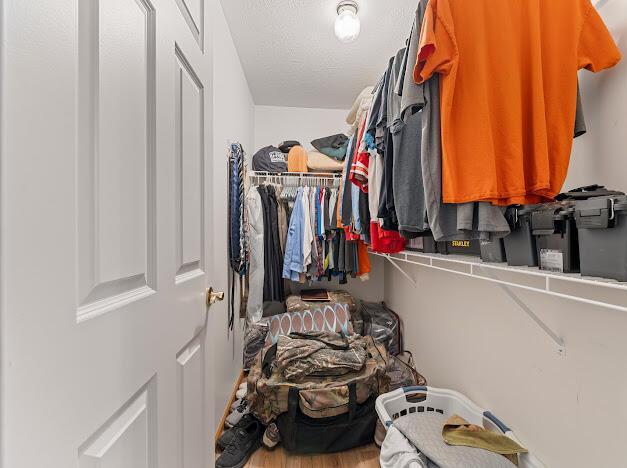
[
  {"x": 228, "y": 435},
  {"x": 245, "y": 440}
]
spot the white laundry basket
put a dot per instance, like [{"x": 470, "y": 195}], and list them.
[{"x": 407, "y": 400}]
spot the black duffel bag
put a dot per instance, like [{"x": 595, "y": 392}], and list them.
[{"x": 302, "y": 434}]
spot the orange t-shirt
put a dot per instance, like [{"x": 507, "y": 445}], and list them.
[
  {"x": 297, "y": 160},
  {"x": 508, "y": 88}
]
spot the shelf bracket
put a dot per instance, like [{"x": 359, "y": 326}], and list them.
[
  {"x": 559, "y": 342},
  {"x": 403, "y": 272}
]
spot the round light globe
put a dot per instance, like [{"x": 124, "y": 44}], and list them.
[{"x": 347, "y": 24}]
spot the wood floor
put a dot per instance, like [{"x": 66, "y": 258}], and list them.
[{"x": 362, "y": 457}]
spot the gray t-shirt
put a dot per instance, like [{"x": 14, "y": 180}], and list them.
[
  {"x": 394, "y": 100},
  {"x": 383, "y": 109},
  {"x": 409, "y": 199},
  {"x": 412, "y": 95},
  {"x": 580, "y": 121},
  {"x": 373, "y": 116}
]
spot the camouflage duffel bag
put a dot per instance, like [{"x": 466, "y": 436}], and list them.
[{"x": 319, "y": 397}]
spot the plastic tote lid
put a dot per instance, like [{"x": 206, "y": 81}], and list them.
[
  {"x": 599, "y": 213},
  {"x": 513, "y": 213},
  {"x": 587, "y": 192},
  {"x": 547, "y": 218}
]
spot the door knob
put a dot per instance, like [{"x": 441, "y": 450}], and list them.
[{"x": 213, "y": 296}]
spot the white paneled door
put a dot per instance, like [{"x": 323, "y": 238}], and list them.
[{"x": 105, "y": 139}]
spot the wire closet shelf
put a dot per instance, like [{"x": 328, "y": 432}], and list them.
[
  {"x": 592, "y": 291},
  {"x": 529, "y": 278}
]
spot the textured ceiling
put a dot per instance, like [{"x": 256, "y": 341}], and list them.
[{"x": 291, "y": 57}]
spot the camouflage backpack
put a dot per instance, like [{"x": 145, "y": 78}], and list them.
[{"x": 320, "y": 396}]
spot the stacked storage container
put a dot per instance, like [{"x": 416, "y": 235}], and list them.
[
  {"x": 493, "y": 251},
  {"x": 520, "y": 244},
  {"x": 553, "y": 226},
  {"x": 602, "y": 224}
]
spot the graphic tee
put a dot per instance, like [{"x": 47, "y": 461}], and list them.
[{"x": 508, "y": 91}]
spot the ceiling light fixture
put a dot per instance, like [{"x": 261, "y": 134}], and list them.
[{"x": 347, "y": 23}]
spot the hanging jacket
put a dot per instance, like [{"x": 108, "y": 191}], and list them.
[{"x": 293, "y": 261}]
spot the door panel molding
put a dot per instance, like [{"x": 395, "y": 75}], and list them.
[
  {"x": 193, "y": 12},
  {"x": 116, "y": 154},
  {"x": 191, "y": 376},
  {"x": 189, "y": 173},
  {"x": 128, "y": 437}
]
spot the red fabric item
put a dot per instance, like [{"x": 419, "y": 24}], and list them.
[
  {"x": 358, "y": 174},
  {"x": 350, "y": 235},
  {"x": 385, "y": 241}
]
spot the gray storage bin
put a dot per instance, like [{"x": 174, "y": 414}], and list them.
[
  {"x": 602, "y": 224},
  {"x": 493, "y": 251},
  {"x": 520, "y": 244},
  {"x": 555, "y": 230}
]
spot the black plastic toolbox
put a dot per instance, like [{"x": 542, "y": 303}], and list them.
[
  {"x": 460, "y": 247},
  {"x": 555, "y": 230},
  {"x": 520, "y": 244},
  {"x": 493, "y": 251},
  {"x": 602, "y": 224}
]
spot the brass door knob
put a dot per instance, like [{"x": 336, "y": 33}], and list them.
[{"x": 213, "y": 296}]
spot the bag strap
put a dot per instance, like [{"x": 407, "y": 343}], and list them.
[
  {"x": 268, "y": 361},
  {"x": 352, "y": 400},
  {"x": 293, "y": 399},
  {"x": 231, "y": 320},
  {"x": 243, "y": 294}
]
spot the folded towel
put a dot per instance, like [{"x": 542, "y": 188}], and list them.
[{"x": 458, "y": 431}]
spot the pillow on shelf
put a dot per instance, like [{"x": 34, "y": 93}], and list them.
[{"x": 318, "y": 162}]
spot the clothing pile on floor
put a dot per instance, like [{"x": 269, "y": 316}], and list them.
[
  {"x": 320, "y": 380},
  {"x": 340, "y": 313},
  {"x": 433, "y": 440},
  {"x": 315, "y": 373}
]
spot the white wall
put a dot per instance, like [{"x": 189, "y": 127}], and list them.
[
  {"x": 599, "y": 155},
  {"x": 275, "y": 124},
  {"x": 466, "y": 334},
  {"x": 233, "y": 121}
]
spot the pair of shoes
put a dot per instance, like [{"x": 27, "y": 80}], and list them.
[
  {"x": 271, "y": 437},
  {"x": 243, "y": 440},
  {"x": 379, "y": 433},
  {"x": 233, "y": 418},
  {"x": 228, "y": 435}
]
